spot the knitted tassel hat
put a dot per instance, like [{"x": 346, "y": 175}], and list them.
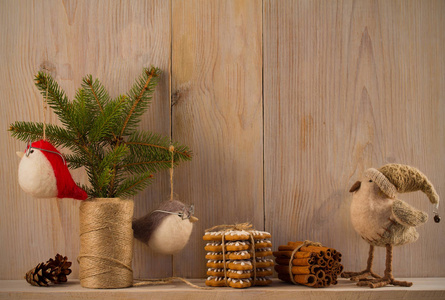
[{"x": 393, "y": 178}]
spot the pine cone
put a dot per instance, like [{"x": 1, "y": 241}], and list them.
[{"x": 54, "y": 270}]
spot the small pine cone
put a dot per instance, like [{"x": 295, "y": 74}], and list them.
[{"x": 54, "y": 270}]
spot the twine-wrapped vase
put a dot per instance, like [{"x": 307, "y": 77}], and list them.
[{"x": 106, "y": 243}]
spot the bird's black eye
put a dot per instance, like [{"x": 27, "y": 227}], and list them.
[
  {"x": 370, "y": 180},
  {"x": 32, "y": 151}
]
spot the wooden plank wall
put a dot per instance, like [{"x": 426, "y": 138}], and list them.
[{"x": 284, "y": 103}]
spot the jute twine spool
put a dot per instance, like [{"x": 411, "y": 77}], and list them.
[{"x": 106, "y": 243}]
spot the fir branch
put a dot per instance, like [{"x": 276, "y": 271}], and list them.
[
  {"x": 105, "y": 123},
  {"x": 33, "y": 131},
  {"x": 96, "y": 92},
  {"x": 75, "y": 161},
  {"x": 103, "y": 181},
  {"x": 104, "y": 169},
  {"x": 145, "y": 166},
  {"x": 57, "y": 100},
  {"x": 81, "y": 114},
  {"x": 92, "y": 154},
  {"x": 134, "y": 184},
  {"x": 112, "y": 187},
  {"x": 155, "y": 146},
  {"x": 180, "y": 154},
  {"x": 140, "y": 95}
]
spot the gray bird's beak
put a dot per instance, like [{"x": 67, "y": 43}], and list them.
[
  {"x": 355, "y": 187},
  {"x": 20, "y": 154}
]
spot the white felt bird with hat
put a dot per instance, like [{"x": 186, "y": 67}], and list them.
[
  {"x": 43, "y": 173},
  {"x": 383, "y": 220}
]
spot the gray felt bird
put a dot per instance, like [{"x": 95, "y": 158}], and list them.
[{"x": 383, "y": 220}]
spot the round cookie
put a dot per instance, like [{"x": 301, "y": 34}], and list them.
[
  {"x": 238, "y": 274},
  {"x": 215, "y": 281},
  {"x": 263, "y": 262},
  {"x": 237, "y": 235},
  {"x": 240, "y": 265},
  {"x": 239, "y": 283},
  {"x": 217, "y": 255},
  {"x": 260, "y": 235},
  {"x": 262, "y": 281},
  {"x": 216, "y": 264},
  {"x": 238, "y": 245},
  {"x": 215, "y": 272},
  {"x": 263, "y": 272},
  {"x": 213, "y": 246},
  {"x": 263, "y": 244},
  {"x": 239, "y": 255},
  {"x": 212, "y": 236},
  {"x": 263, "y": 252}
]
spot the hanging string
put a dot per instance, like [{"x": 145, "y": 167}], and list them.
[
  {"x": 143, "y": 282},
  {"x": 45, "y": 108},
  {"x": 172, "y": 150}
]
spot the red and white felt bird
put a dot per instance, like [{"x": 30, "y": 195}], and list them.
[{"x": 43, "y": 173}]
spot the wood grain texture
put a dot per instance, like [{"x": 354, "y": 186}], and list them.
[
  {"x": 216, "y": 84},
  {"x": 349, "y": 85},
  {"x": 423, "y": 288},
  {"x": 112, "y": 40},
  {"x": 342, "y": 86}
]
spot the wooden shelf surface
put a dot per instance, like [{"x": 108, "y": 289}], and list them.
[{"x": 423, "y": 288}]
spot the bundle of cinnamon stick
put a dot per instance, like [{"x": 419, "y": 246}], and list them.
[{"x": 311, "y": 265}]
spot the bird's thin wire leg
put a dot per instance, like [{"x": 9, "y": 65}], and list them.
[
  {"x": 388, "y": 278},
  {"x": 363, "y": 275}
]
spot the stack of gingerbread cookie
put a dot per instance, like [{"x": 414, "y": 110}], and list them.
[{"x": 243, "y": 262}]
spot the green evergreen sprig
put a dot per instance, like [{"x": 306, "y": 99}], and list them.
[{"x": 103, "y": 136}]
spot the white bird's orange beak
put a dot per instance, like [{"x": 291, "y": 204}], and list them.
[{"x": 20, "y": 154}]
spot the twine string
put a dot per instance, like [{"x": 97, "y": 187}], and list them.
[
  {"x": 252, "y": 240},
  {"x": 45, "y": 108},
  {"x": 172, "y": 150},
  {"x": 106, "y": 243},
  {"x": 304, "y": 244},
  {"x": 224, "y": 256},
  {"x": 168, "y": 280},
  {"x": 105, "y": 258},
  {"x": 239, "y": 226}
]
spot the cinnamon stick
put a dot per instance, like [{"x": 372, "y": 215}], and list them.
[
  {"x": 280, "y": 269},
  {"x": 330, "y": 262},
  {"x": 282, "y": 253},
  {"x": 320, "y": 274},
  {"x": 282, "y": 260},
  {"x": 327, "y": 280},
  {"x": 315, "y": 249},
  {"x": 308, "y": 280},
  {"x": 294, "y": 244},
  {"x": 337, "y": 256},
  {"x": 284, "y": 277},
  {"x": 303, "y": 261},
  {"x": 314, "y": 268},
  {"x": 289, "y": 253},
  {"x": 301, "y": 270},
  {"x": 321, "y": 262},
  {"x": 296, "y": 262}
]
